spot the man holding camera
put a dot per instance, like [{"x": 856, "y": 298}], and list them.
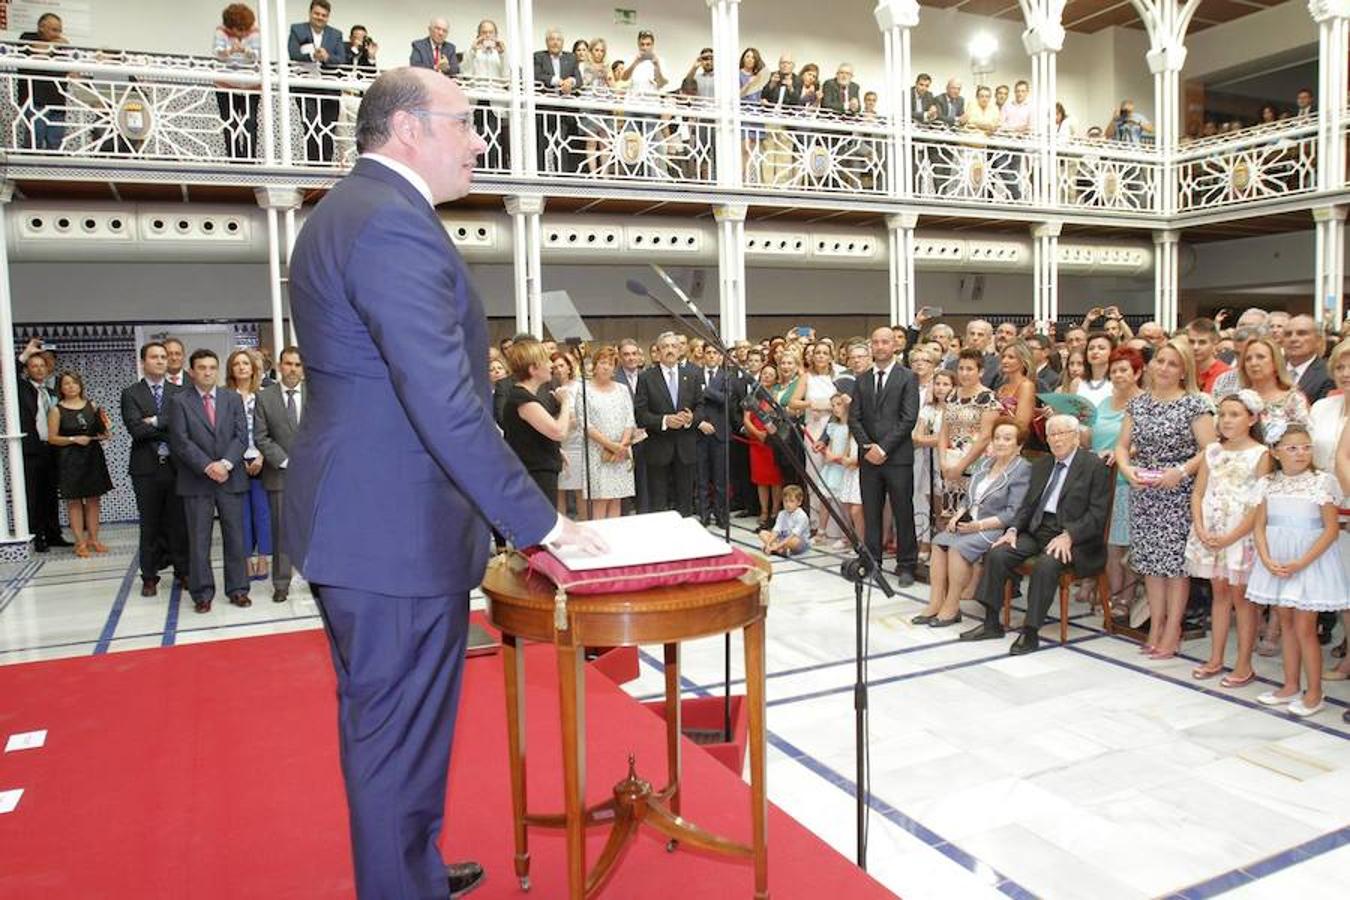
[
  {"x": 644, "y": 75},
  {"x": 1128, "y": 126}
]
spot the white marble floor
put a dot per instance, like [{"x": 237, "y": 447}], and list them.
[{"x": 1081, "y": 771}]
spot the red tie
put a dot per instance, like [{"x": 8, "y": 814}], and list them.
[
  {"x": 435, "y": 57},
  {"x": 210, "y": 403}
]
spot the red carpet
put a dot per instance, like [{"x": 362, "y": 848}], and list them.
[{"x": 210, "y": 771}]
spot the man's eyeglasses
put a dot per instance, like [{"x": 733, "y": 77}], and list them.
[{"x": 465, "y": 119}]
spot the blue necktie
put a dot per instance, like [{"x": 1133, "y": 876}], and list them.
[{"x": 157, "y": 391}]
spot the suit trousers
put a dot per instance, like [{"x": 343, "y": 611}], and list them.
[
  {"x": 671, "y": 487},
  {"x": 163, "y": 537},
  {"x": 998, "y": 569},
  {"x": 743, "y": 494},
  {"x": 40, "y": 479},
  {"x": 281, "y": 563},
  {"x": 710, "y": 490},
  {"x": 399, "y": 663},
  {"x": 199, "y": 509},
  {"x": 896, "y": 482},
  {"x": 642, "y": 501}
]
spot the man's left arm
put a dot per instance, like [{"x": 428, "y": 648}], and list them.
[
  {"x": 1092, "y": 523},
  {"x": 234, "y": 451}
]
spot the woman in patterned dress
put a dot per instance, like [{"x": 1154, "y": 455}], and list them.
[
  {"x": 609, "y": 427},
  {"x": 1162, "y": 442},
  {"x": 967, "y": 424}
]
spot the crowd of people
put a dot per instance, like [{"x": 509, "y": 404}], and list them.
[
  {"x": 200, "y": 450},
  {"x": 1200, "y": 464}
]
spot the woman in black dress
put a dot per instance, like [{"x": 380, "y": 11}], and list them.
[
  {"x": 535, "y": 423},
  {"x": 77, "y": 428}
]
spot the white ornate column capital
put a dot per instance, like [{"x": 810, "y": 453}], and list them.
[
  {"x": 1166, "y": 237},
  {"x": 1047, "y": 229},
  {"x": 1171, "y": 57},
  {"x": 896, "y": 14},
  {"x": 6, "y": 191},
  {"x": 524, "y": 204},
  {"x": 730, "y": 212},
  {"x": 897, "y": 221},
  {"x": 1329, "y": 213},
  {"x": 1323, "y": 10},
  {"x": 279, "y": 198}
]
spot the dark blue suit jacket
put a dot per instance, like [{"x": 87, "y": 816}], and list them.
[
  {"x": 398, "y": 466},
  {"x": 195, "y": 444},
  {"x": 421, "y": 56},
  {"x": 332, "y": 42}
]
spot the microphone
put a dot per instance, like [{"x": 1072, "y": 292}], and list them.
[{"x": 637, "y": 287}]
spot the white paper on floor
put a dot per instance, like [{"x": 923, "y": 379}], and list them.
[
  {"x": 28, "y": 740},
  {"x": 9, "y": 800}
]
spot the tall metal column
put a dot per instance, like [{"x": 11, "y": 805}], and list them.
[
  {"x": 731, "y": 304},
  {"x": 1329, "y": 294},
  {"x": 526, "y": 269},
  {"x": 900, "y": 255},
  {"x": 1045, "y": 257},
  {"x": 1043, "y": 39},
  {"x": 276, "y": 201},
  {"x": 896, "y": 18},
  {"x": 1165, "y": 278},
  {"x": 1333, "y": 41},
  {"x": 727, "y": 90},
  {"x": 9, "y": 381}
]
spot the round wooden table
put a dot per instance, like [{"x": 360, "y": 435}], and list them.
[{"x": 525, "y": 607}]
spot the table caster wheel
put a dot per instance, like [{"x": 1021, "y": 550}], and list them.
[
  {"x": 671, "y": 845},
  {"x": 525, "y": 883}
]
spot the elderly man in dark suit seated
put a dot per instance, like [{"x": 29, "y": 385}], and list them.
[{"x": 1059, "y": 524}]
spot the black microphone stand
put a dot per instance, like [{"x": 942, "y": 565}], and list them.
[{"x": 862, "y": 570}]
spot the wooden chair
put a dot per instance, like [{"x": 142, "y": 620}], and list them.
[{"x": 1067, "y": 578}]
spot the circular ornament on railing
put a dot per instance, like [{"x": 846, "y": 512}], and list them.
[
  {"x": 632, "y": 146},
  {"x": 1241, "y": 176},
  {"x": 135, "y": 120},
  {"x": 1110, "y": 185},
  {"x": 975, "y": 173},
  {"x": 819, "y": 162}
]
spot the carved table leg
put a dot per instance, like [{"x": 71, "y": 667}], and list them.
[
  {"x": 674, "y": 726},
  {"x": 572, "y": 693},
  {"x": 754, "y": 698},
  {"x": 513, "y": 666}
]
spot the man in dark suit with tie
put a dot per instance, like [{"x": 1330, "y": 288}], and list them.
[
  {"x": 713, "y": 425},
  {"x": 664, "y": 404},
  {"x": 841, "y": 93},
  {"x": 881, "y": 417},
  {"x": 154, "y": 477},
  {"x": 322, "y": 48},
  {"x": 1303, "y": 353},
  {"x": 208, "y": 434},
  {"x": 556, "y": 70},
  {"x": 39, "y": 457},
  {"x": 951, "y": 106},
  {"x": 922, "y": 104},
  {"x": 434, "y": 51},
  {"x": 276, "y": 418},
  {"x": 397, "y": 473},
  {"x": 1060, "y": 524}
]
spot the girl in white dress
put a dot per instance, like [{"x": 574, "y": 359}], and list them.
[
  {"x": 1220, "y": 546},
  {"x": 841, "y": 465},
  {"x": 1295, "y": 574}
]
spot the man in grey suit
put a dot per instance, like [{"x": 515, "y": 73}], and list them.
[
  {"x": 275, "y": 421},
  {"x": 208, "y": 435}
]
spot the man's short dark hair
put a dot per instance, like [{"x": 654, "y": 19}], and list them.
[
  {"x": 202, "y": 353},
  {"x": 149, "y": 345},
  {"x": 291, "y": 350},
  {"x": 646, "y": 34},
  {"x": 924, "y": 76},
  {"x": 1040, "y": 340},
  {"x": 321, "y": 4},
  {"x": 1204, "y": 326},
  {"x": 705, "y": 51},
  {"x": 1022, "y": 81},
  {"x": 45, "y": 16},
  {"x": 398, "y": 90}
]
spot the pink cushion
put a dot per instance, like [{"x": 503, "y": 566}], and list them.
[{"x": 630, "y": 579}]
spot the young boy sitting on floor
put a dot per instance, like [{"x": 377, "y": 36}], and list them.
[{"x": 791, "y": 534}]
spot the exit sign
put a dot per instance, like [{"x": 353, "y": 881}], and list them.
[{"x": 625, "y": 16}]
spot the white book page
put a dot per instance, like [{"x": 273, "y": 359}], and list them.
[{"x": 641, "y": 540}]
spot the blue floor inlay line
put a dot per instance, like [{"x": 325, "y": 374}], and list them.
[
  {"x": 120, "y": 602},
  {"x": 171, "y": 616},
  {"x": 1278, "y": 862}
]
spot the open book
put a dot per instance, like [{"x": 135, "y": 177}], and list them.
[{"x": 650, "y": 538}]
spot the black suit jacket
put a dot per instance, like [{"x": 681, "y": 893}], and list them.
[
  {"x": 785, "y": 93},
  {"x": 836, "y": 97},
  {"x": 950, "y": 110},
  {"x": 543, "y": 68},
  {"x": 1047, "y": 380},
  {"x": 712, "y": 406},
  {"x": 196, "y": 444},
  {"x": 1316, "y": 382},
  {"x": 28, "y": 407},
  {"x": 1083, "y": 508},
  {"x": 138, "y": 404},
  {"x": 331, "y": 41},
  {"x": 423, "y": 56},
  {"x": 651, "y": 401},
  {"x": 889, "y": 422},
  {"x": 919, "y": 101}
]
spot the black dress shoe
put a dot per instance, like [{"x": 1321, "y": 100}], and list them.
[
  {"x": 904, "y": 578},
  {"x": 983, "y": 632},
  {"x": 463, "y": 877},
  {"x": 182, "y": 581},
  {"x": 1027, "y": 642},
  {"x": 278, "y": 596},
  {"x": 922, "y": 619},
  {"x": 944, "y": 623},
  {"x": 149, "y": 587},
  {"x": 40, "y": 545},
  {"x": 202, "y": 606},
  {"x": 58, "y": 541},
  {"x": 241, "y": 599}
]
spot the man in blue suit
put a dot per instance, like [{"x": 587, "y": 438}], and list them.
[
  {"x": 398, "y": 470},
  {"x": 208, "y": 433},
  {"x": 434, "y": 51},
  {"x": 321, "y": 47}
]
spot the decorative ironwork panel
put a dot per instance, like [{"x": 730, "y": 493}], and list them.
[
  {"x": 798, "y": 154},
  {"x": 1250, "y": 168},
  {"x": 1089, "y": 180},
  {"x": 976, "y": 171},
  {"x": 657, "y": 144}
]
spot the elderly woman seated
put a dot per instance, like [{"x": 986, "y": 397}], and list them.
[{"x": 996, "y": 489}]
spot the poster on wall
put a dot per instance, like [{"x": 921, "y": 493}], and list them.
[{"x": 77, "y": 17}]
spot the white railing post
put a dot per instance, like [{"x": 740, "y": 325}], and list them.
[
  {"x": 1045, "y": 254},
  {"x": 727, "y": 90},
  {"x": 283, "y": 84},
  {"x": 266, "y": 113},
  {"x": 1166, "y": 57},
  {"x": 1329, "y": 294},
  {"x": 277, "y": 200},
  {"x": 1333, "y": 41},
  {"x": 1043, "y": 39},
  {"x": 524, "y": 158},
  {"x": 731, "y": 309},
  {"x": 900, "y": 256},
  {"x": 1165, "y": 278},
  {"x": 896, "y": 18},
  {"x": 526, "y": 211},
  {"x": 9, "y": 381}
]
